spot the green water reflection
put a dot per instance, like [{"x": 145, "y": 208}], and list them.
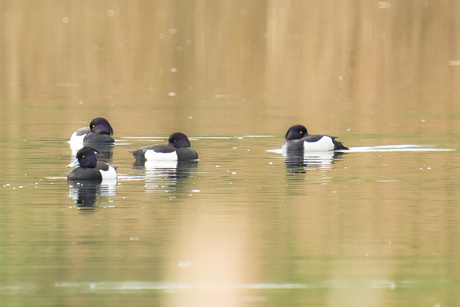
[{"x": 239, "y": 228}]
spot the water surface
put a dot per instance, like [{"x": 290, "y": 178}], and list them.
[{"x": 374, "y": 226}]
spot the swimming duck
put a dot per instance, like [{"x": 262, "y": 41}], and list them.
[
  {"x": 89, "y": 169},
  {"x": 177, "y": 149},
  {"x": 298, "y": 139},
  {"x": 99, "y": 131}
]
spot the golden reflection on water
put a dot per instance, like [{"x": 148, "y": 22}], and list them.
[
  {"x": 212, "y": 68},
  {"x": 216, "y": 258}
]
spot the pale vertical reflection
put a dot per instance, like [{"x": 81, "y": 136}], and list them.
[
  {"x": 276, "y": 26},
  {"x": 12, "y": 45},
  {"x": 307, "y": 44},
  {"x": 210, "y": 258}
]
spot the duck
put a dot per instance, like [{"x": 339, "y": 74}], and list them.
[
  {"x": 177, "y": 149},
  {"x": 99, "y": 131},
  {"x": 89, "y": 169},
  {"x": 298, "y": 139}
]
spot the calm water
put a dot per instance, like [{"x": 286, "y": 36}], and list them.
[
  {"x": 241, "y": 228},
  {"x": 375, "y": 226}
]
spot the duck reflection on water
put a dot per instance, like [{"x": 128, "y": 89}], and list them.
[
  {"x": 300, "y": 162},
  {"x": 86, "y": 194},
  {"x": 165, "y": 176},
  {"x": 174, "y": 169},
  {"x": 105, "y": 151}
]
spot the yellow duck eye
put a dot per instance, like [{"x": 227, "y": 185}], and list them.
[
  {"x": 83, "y": 156},
  {"x": 301, "y": 132}
]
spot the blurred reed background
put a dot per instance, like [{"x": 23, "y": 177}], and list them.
[{"x": 360, "y": 63}]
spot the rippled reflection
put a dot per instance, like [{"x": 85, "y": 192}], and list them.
[
  {"x": 104, "y": 151},
  {"x": 320, "y": 160},
  {"x": 164, "y": 176},
  {"x": 86, "y": 194}
]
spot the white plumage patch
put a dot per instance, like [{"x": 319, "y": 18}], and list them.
[
  {"x": 323, "y": 144},
  {"x": 110, "y": 174},
  {"x": 76, "y": 141},
  {"x": 152, "y": 155},
  {"x": 284, "y": 148}
]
